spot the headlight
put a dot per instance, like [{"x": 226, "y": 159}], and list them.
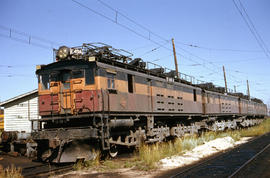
[{"x": 63, "y": 52}]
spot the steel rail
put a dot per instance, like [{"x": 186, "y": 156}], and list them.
[
  {"x": 51, "y": 170},
  {"x": 214, "y": 157},
  {"x": 248, "y": 162}
]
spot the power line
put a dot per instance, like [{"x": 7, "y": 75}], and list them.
[
  {"x": 154, "y": 49},
  {"x": 255, "y": 30},
  {"x": 151, "y": 32},
  {"x": 143, "y": 36},
  {"x": 229, "y": 50},
  {"x": 241, "y": 60},
  {"x": 123, "y": 26},
  {"x": 115, "y": 20},
  {"x": 131, "y": 20},
  {"x": 25, "y": 42},
  {"x": 251, "y": 27},
  {"x": 218, "y": 49},
  {"x": 17, "y": 66},
  {"x": 26, "y": 38},
  {"x": 16, "y": 75},
  {"x": 148, "y": 30},
  {"x": 29, "y": 38},
  {"x": 141, "y": 47}
]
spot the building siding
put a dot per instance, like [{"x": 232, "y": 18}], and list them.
[{"x": 19, "y": 113}]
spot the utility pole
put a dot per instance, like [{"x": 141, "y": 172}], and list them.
[
  {"x": 226, "y": 89},
  {"x": 248, "y": 93},
  {"x": 175, "y": 59},
  {"x": 234, "y": 89}
]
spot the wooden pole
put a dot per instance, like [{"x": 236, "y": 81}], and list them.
[
  {"x": 234, "y": 89},
  {"x": 226, "y": 89},
  {"x": 175, "y": 59},
  {"x": 248, "y": 92}
]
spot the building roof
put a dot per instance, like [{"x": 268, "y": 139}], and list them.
[{"x": 18, "y": 97}]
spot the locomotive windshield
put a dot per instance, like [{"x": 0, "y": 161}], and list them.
[{"x": 65, "y": 76}]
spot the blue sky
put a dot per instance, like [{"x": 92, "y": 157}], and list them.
[{"x": 209, "y": 24}]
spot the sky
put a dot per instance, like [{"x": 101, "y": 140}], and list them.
[{"x": 208, "y": 34}]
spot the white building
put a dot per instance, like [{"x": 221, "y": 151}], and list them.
[{"x": 19, "y": 111}]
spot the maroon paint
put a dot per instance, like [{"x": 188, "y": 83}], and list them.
[
  {"x": 87, "y": 101},
  {"x": 48, "y": 104}
]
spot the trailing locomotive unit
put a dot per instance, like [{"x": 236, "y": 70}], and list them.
[{"x": 93, "y": 96}]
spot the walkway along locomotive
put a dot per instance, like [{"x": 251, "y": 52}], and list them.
[{"x": 94, "y": 96}]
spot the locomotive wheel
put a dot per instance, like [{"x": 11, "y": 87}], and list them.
[{"x": 113, "y": 152}]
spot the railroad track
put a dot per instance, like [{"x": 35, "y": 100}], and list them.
[
  {"x": 244, "y": 168},
  {"x": 45, "y": 170},
  {"x": 229, "y": 164}
]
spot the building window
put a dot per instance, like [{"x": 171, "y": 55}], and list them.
[
  {"x": 110, "y": 81},
  {"x": 194, "y": 95},
  {"x": 130, "y": 83},
  {"x": 22, "y": 105},
  {"x": 19, "y": 116}
]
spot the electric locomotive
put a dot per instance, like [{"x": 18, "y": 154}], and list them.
[{"x": 96, "y": 97}]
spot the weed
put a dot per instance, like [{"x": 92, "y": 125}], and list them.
[
  {"x": 149, "y": 155},
  {"x": 11, "y": 172},
  {"x": 260, "y": 129},
  {"x": 81, "y": 164},
  {"x": 109, "y": 164}
]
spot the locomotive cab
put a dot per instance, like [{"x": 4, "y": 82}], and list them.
[{"x": 64, "y": 86}]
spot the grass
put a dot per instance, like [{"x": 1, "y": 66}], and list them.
[
  {"x": 260, "y": 129},
  {"x": 148, "y": 155},
  {"x": 10, "y": 172},
  {"x": 82, "y": 165}
]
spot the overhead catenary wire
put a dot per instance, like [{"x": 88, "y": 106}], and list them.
[
  {"x": 17, "y": 66},
  {"x": 251, "y": 27},
  {"x": 162, "y": 38},
  {"x": 154, "y": 49},
  {"x": 31, "y": 37},
  {"x": 117, "y": 12},
  {"x": 16, "y": 75},
  {"x": 148, "y": 37},
  {"x": 219, "y": 49},
  {"x": 131, "y": 20},
  {"x": 27, "y": 38}
]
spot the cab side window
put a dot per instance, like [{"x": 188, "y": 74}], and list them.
[
  {"x": 89, "y": 76},
  {"x": 45, "y": 81},
  {"x": 111, "y": 81},
  {"x": 77, "y": 74},
  {"x": 194, "y": 95},
  {"x": 66, "y": 80},
  {"x": 130, "y": 83}
]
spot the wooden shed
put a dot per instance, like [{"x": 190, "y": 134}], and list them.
[{"x": 19, "y": 111}]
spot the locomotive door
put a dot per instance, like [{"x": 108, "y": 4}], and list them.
[
  {"x": 65, "y": 94},
  {"x": 149, "y": 93},
  {"x": 204, "y": 104}
]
